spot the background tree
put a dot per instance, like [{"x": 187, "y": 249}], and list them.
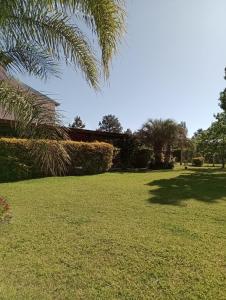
[
  {"x": 160, "y": 135},
  {"x": 110, "y": 123},
  {"x": 210, "y": 143},
  {"x": 182, "y": 139},
  {"x": 128, "y": 131},
  {"x": 171, "y": 135},
  {"x": 78, "y": 123}
]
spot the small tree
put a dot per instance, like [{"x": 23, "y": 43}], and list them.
[
  {"x": 211, "y": 142},
  {"x": 110, "y": 123},
  {"x": 160, "y": 135},
  {"x": 78, "y": 123},
  {"x": 128, "y": 131}
]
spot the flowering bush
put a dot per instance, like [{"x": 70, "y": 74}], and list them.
[{"x": 4, "y": 211}]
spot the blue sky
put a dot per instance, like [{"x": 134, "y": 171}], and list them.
[{"x": 170, "y": 65}]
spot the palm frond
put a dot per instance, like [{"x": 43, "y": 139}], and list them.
[
  {"x": 35, "y": 120},
  {"x": 106, "y": 18},
  {"x": 54, "y": 32},
  {"x": 23, "y": 57},
  {"x": 51, "y": 157}
]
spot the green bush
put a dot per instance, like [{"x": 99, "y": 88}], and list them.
[
  {"x": 12, "y": 169},
  {"x": 142, "y": 158},
  {"x": 89, "y": 158},
  {"x": 17, "y": 163},
  {"x": 198, "y": 161},
  {"x": 161, "y": 166}
]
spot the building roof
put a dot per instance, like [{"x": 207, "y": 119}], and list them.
[{"x": 16, "y": 83}]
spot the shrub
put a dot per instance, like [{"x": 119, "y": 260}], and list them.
[
  {"x": 16, "y": 161},
  {"x": 116, "y": 161},
  {"x": 198, "y": 161},
  {"x": 12, "y": 169},
  {"x": 142, "y": 158},
  {"x": 89, "y": 158},
  {"x": 161, "y": 166},
  {"x": 128, "y": 147},
  {"x": 4, "y": 211}
]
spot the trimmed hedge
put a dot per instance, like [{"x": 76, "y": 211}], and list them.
[
  {"x": 86, "y": 158},
  {"x": 89, "y": 158},
  {"x": 198, "y": 161},
  {"x": 12, "y": 169}
]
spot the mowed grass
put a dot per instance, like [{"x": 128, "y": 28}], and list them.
[{"x": 156, "y": 235}]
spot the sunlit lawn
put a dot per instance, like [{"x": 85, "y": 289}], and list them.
[{"x": 157, "y": 235}]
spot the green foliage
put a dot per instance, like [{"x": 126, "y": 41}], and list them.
[
  {"x": 77, "y": 123},
  {"x": 162, "y": 136},
  {"x": 12, "y": 169},
  {"x": 110, "y": 123},
  {"x": 129, "y": 147},
  {"x": 142, "y": 158},
  {"x": 198, "y": 161},
  {"x": 222, "y": 100},
  {"x": 34, "y": 119},
  {"x": 32, "y": 114},
  {"x": 161, "y": 165},
  {"x": 210, "y": 143},
  {"x": 35, "y": 35},
  {"x": 88, "y": 158},
  {"x": 22, "y": 159}
]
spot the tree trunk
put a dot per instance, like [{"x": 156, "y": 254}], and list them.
[
  {"x": 158, "y": 154},
  {"x": 223, "y": 154},
  {"x": 181, "y": 156},
  {"x": 168, "y": 156}
]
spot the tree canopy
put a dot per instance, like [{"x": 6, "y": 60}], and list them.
[
  {"x": 77, "y": 123},
  {"x": 110, "y": 123}
]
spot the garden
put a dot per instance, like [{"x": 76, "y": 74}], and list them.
[{"x": 106, "y": 213}]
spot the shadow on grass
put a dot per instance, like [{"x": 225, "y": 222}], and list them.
[
  {"x": 126, "y": 171},
  {"x": 203, "y": 185}
]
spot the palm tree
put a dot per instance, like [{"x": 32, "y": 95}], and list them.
[
  {"x": 36, "y": 35},
  {"x": 153, "y": 134},
  {"x": 35, "y": 120},
  {"x": 171, "y": 133},
  {"x": 50, "y": 26},
  {"x": 182, "y": 139},
  {"x": 161, "y": 135}
]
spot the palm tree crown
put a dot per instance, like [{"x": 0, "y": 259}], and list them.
[{"x": 37, "y": 34}]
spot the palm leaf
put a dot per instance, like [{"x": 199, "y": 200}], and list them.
[
  {"x": 35, "y": 120},
  {"x": 54, "y": 32},
  {"x": 106, "y": 18},
  {"x": 21, "y": 57}
]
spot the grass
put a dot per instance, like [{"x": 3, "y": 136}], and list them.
[{"x": 157, "y": 235}]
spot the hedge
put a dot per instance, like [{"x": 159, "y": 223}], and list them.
[
  {"x": 89, "y": 158},
  {"x": 86, "y": 158},
  {"x": 141, "y": 158},
  {"x": 198, "y": 161}
]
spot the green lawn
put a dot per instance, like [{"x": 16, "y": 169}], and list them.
[{"x": 157, "y": 235}]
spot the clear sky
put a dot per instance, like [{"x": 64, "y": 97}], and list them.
[{"x": 170, "y": 65}]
